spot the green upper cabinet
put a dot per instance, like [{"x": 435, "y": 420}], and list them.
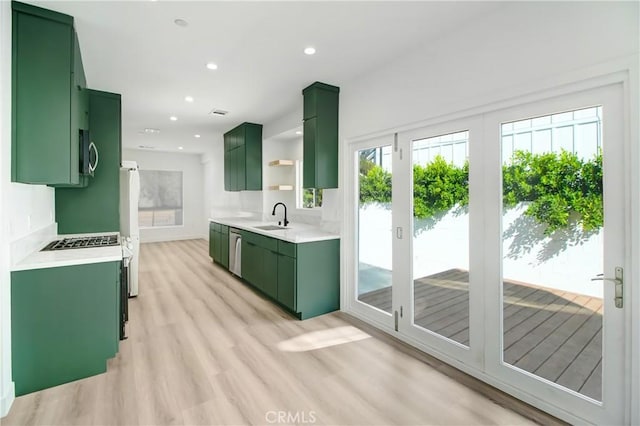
[
  {"x": 49, "y": 103},
  {"x": 320, "y": 140},
  {"x": 96, "y": 208},
  {"x": 243, "y": 158}
]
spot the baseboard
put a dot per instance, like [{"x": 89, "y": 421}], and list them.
[
  {"x": 159, "y": 239},
  {"x": 7, "y": 400}
]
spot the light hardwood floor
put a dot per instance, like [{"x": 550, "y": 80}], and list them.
[{"x": 205, "y": 349}]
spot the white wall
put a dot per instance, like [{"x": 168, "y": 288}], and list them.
[
  {"x": 516, "y": 49},
  {"x": 195, "y": 220},
  {"x": 24, "y": 209}
]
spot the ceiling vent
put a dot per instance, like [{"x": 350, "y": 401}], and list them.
[
  {"x": 218, "y": 112},
  {"x": 146, "y": 147}
]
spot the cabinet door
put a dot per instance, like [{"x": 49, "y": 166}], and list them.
[
  {"x": 287, "y": 281},
  {"x": 211, "y": 240},
  {"x": 270, "y": 273},
  {"x": 251, "y": 263},
  {"x": 253, "y": 157},
  {"x": 309, "y": 154},
  {"x": 224, "y": 245},
  {"x": 42, "y": 79},
  {"x": 230, "y": 180},
  {"x": 241, "y": 168},
  {"x": 326, "y": 150},
  {"x": 227, "y": 170},
  {"x": 219, "y": 247}
]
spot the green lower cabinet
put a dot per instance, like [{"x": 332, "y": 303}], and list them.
[
  {"x": 219, "y": 243},
  {"x": 317, "y": 278},
  {"x": 304, "y": 278},
  {"x": 211, "y": 240},
  {"x": 287, "y": 281},
  {"x": 64, "y": 323},
  {"x": 217, "y": 248},
  {"x": 224, "y": 246}
]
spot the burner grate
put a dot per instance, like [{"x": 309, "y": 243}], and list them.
[{"x": 83, "y": 242}]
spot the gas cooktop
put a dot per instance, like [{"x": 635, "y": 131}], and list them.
[{"x": 83, "y": 242}]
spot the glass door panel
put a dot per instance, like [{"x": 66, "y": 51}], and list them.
[
  {"x": 441, "y": 235},
  {"x": 552, "y": 246},
  {"x": 374, "y": 228}
]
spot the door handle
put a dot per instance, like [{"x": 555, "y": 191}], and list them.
[
  {"x": 618, "y": 282},
  {"x": 93, "y": 167}
]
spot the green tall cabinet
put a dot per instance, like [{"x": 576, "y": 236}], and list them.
[
  {"x": 48, "y": 97},
  {"x": 64, "y": 323},
  {"x": 96, "y": 208},
  {"x": 243, "y": 158},
  {"x": 320, "y": 140}
]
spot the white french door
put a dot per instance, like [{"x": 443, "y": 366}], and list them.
[
  {"x": 497, "y": 242},
  {"x": 441, "y": 297},
  {"x": 559, "y": 336}
]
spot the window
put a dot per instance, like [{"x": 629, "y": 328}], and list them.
[
  {"x": 306, "y": 198},
  {"x": 311, "y": 198},
  {"x": 160, "y": 201}
]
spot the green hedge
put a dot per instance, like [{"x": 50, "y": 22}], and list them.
[{"x": 554, "y": 185}]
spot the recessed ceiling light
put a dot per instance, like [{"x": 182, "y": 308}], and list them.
[
  {"x": 173, "y": 118},
  {"x": 180, "y": 22},
  {"x": 188, "y": 98},
  {"x": 309, "y": 50},
  {"x": 180, "y": 147},
  {"x": 196, "y": 136},
  {"x": 298, "y": 132},
  {"x": 212, "y": 66}
]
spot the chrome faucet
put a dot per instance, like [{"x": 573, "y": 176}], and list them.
[{"x": 273, "y": 213}]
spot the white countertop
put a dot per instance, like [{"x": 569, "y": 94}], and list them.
[
  {"x": 295, "y": 233},
  {"x": 53, "y": 259}
]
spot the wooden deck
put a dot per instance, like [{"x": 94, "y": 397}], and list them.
[{"x": 551, "y": 333}]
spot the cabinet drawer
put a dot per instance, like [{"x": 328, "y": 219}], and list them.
[
  {"x": 268, "y": 243},
  {"x": 250, "y": 237},
  {"x": 287, "y": 248},
  {"x": 261, "y": 240}
]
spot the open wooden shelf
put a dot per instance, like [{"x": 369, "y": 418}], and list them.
[{"x": 281, "y": 163}]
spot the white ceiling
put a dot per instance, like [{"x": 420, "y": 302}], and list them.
[{"x": 134, "y": 48}]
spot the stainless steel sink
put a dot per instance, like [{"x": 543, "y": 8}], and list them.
[{"x": 270, "y": 227}]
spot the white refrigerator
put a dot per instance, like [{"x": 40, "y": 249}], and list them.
[{"x": 129, "y": 230}]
